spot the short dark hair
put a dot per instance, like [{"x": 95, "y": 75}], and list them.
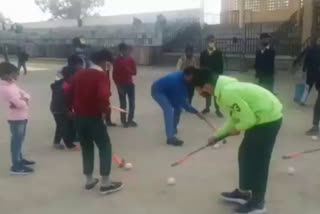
[
  {"x": 74, "y": 60},
  {"x": 68, "y": 71},
  {"x": 265, "y": 36},
  {"x": 189, "y": 48},
  {"x": 7, "y": 68},
  {"x": 189, "y": 71},
  {"x": 123, "y": 46},
  {"x": 210, "y": 37},
  {"x": 101, "y": 56},
  {"x": 204, "y": 76}
]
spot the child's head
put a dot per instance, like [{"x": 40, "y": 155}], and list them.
[
  {"x": 102, "y": 58},
  {"x": 189, "y": 73},
  {"x": 124, "y": 49},
  {"x": 265, "y": 39},
  {"x": 68, "y": 72},
  {"x": 189, "y": 51},
  {"x": 75, "y": 61},
  {"x": 211, "y": 42},
  {"x": 8, "y": 72}
]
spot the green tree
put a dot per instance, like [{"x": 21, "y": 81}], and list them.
[{"x": 69, "y": 9}]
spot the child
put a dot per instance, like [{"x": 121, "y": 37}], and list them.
[
  {"x": 89, "y": 96},
  {"x": 264, "y": 63},
  {"x": 256, "y": 111},
  {"x": 212, "y": 59},
  {"x": 23, "y": 57},
  {"x": 186, "y": 61},
  {"x": 62, "y": 115},
  {"x": 17, "y": 102},
  {"x": 124, "y": 68},
  {"x": 73, "y": 61},
  {"x": 171, "y": 93}
]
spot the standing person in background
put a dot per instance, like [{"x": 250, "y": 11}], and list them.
[
  {"x": 5, "y": 53},
  {"x": 186, "y": 61},
  {"x": 265, "y": 63},
  {"x": 23, "y": 57},
  {"x": 124, "y": 68},
  {"x": 312, "y": 64},
  {"x": 63, "y": 116},
  {"x": 212, "y": 59},
  {"x": 89, "y": 97},
  {"x": 17, "y": 102}
]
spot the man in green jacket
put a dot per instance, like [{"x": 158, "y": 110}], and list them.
[{"x": 257, "y": 112}]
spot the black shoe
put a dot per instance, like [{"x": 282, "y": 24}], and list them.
[
  {"x": 314, "y": 131},
  {"x": 91, "y": 185},
  {"x": 132, "y": 124},
  {"x": 58, "y": 146},
  {"x": 27, "y": 162},
  {"x": 236, "y": 196},
  {"x": 205, "y": 111},
  {"x": 251, "y": 207},
  {"x": 219, "y": 114},
  {"x": 175, "y": 142},
  {"x": 114, "y": 187},
  {"x": 111, "y": 124},
  {"x": 21, "y": 170}
]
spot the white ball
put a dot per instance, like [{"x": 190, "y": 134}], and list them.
[
  {"x": 314, "y": 138},
  {"x": 171, "y": 181},
  {"x": 216, "y": 146},
  {"x": 291, "y": 170},
  {"x": 128, "y": 166}
]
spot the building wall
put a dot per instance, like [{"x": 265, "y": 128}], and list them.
[{"x": 257, "y": 11}]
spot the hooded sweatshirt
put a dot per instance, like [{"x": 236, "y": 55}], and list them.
[{"x": 246, "y": 104}]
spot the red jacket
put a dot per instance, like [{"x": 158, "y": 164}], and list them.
[
  {"x": 123, "y": 70},
  {"x": 89, "y": 93}
]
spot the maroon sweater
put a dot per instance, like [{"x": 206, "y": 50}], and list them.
[
  {"x": 124, "y": 68},
  {"x": 89, "y": 93}
]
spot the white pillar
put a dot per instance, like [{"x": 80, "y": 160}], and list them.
[
  {"x": 307, "y": 20},
  {"x": 241, "y": 13}
]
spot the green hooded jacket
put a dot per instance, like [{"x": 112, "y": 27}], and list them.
[{"x": 246, "y": 104}]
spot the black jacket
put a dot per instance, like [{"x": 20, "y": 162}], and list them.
[
  {"x": 264, "y": 63},
  {"x": 312, "y": 61},
  {"x": 58, "y": 100},
  {"x": 213, "y": 62}
]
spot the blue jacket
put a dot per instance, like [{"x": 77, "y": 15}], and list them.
[{"x": 174, "y": 88}]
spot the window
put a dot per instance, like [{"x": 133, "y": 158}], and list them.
[
  {"x": 254, "y": 5},
  {"x": 277, "y": 4}
]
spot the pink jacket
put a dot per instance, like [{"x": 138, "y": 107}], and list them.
[{"x": 15, "y": 99}]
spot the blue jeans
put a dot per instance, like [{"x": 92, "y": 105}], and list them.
[
  {"x": 18, "y": 134},
  {"x": 124, "y": 91},
  {"x": 171, "y": 114}
]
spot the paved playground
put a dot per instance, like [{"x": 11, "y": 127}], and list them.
[{"x": 57, "y": 185}]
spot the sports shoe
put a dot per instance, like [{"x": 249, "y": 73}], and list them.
[
  {"x": 91, "y": 185},
  {"x": 21, "y": 170},
  {"x": 27, "y": 162},
  {"x": 219, "y": 114},
  {"x": 205, "y": 111},
  {"x": 132, "y": 124},
  {"x": 58, "y": 146},
  {"x": 252, "y": 207},
  {"x": 313, "y": 131},
  {"x": 114, "y": 187},
  {"x": 175, "y": 142},
  {"x": 236, "y": 196},
  {"x": 111, "y": 124}
]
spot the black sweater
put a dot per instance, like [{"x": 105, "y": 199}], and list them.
[
  {"x": 58, "y": 100},
  {"x": 264, "y": 63},
  {"x": 213, "y": 62}
]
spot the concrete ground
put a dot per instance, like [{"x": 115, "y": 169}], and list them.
[{"x": 57, "y": 185}]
